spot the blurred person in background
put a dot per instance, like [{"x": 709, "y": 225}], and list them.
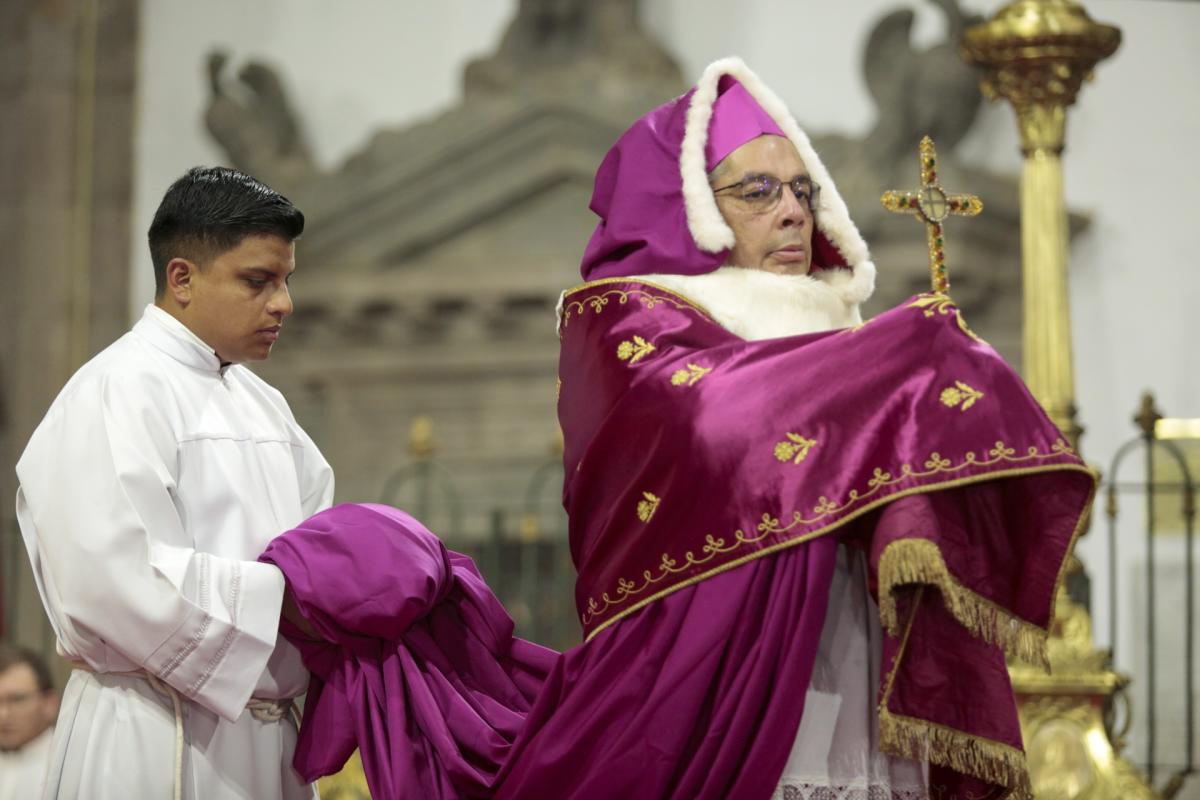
[{"x": 28, "y": 708}]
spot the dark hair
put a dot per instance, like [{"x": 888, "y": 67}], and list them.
[
  {"x": 12, "y": 655},
  {"x": 209, "y": 211}
]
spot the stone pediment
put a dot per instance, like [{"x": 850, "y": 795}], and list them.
[{"x": 496, "y": 174}]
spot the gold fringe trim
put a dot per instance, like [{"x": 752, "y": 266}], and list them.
[
  {"x": 919, "y": 561},
  {"x": 985, "y": 759},
  {"x": 922, "y": 740}
]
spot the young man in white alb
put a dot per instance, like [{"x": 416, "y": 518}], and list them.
[{"x": 160, "y": 472}]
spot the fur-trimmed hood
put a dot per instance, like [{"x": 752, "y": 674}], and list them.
[{"x": 658, "y": 215}]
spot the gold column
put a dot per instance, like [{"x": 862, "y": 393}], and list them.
[
  {"x": 1046, "y": 343},
  {"x": 1036, "y": 54}
]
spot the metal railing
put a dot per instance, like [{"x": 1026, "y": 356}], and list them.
[
  {"x": 525, "y": 556},
  {"x": 1149, "y": 444}
]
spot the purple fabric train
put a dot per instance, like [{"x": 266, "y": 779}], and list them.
[{"x": 701, "y": 606}]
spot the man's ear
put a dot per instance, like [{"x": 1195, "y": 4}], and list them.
[{"x": 180, "y": 273}]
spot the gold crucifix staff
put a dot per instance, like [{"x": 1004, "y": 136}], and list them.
[{"x": 931, "y": 204}]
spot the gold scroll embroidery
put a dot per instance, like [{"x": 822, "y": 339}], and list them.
[
  {"x": 942, "y": 304},
  {"x": 855, "y": 503},
  {"x": 634, "y": 351},
  {"x": 960, "y": 392},
  {"x": 689, "y": 376},
  {"x": 794, "y": 447},
  {"x": 599, "y": 301},
  {"x": 647, "y": 507}
]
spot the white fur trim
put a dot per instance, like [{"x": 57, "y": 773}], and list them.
[
  {"x": 709, "y": 229},
  {"x": 754, "y": 304}
]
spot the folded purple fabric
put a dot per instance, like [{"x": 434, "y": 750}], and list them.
[
  {"x": 420, "y": 669},
  {"x": 421, "y": 672}
]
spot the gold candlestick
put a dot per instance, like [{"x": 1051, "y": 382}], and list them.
[{"x": 1036, "y": 54}]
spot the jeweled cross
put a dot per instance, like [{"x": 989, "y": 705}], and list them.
[{"x": 931, "y": 204}]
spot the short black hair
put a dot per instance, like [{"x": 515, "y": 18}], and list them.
[
  {"x": 12, "y": 655},
  {"x": 209, "y": 211}
]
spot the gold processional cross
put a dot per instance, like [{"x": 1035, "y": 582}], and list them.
[{"x": 931, "y": 204}]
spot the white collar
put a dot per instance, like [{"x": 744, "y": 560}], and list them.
[{"x": 176, "y": 340}]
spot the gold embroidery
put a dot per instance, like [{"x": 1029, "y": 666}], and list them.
[
  {"x": 557, "y": 388},
  {"x": 634, "y": 351},
  {"x": 598, "y": 302},
  {"x": 645, "y": 510},
  {"x": 824, "y": 508},
  {"x": 919, "y": 561},
  {"x": 960, "y": 393},
  {"x": 689, "y": 376},
  {"x": 796, "y": 446},
  {"x": 935, "y": 303},
  {"x": 924, "y": 740}
]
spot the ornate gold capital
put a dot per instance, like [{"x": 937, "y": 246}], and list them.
[{"x": 1036, "y": 54}]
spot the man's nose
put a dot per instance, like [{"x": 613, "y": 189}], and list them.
[
  {"x": 791, "y": 211},
  {"x": 281, "y": 303}
]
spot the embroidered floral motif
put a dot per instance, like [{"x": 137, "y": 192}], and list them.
[
  {"x": 935, "y": 464},
  {"x": 689, "y": 376},
  {"x": 645, "y": 510},
  {"x": 937, "y": 303},
  {"x": 795, "y": 447},
  {"x": 960, "y": 393},
  {"x": 634, "y": 351}
]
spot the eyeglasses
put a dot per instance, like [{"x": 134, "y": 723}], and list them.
[{"x": 762, "y": 192}]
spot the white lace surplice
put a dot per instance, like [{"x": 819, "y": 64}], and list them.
[{"x": 836, "y": 753}]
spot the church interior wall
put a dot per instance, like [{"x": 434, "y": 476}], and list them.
[{"x": 1131, "y": 162}]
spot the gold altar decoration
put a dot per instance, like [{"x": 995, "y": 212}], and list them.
[
  {"x": 931, "y": 204},
  {"x": 1036, "y": 54},
  {"x": 349, "y": 784},
  {"x": 421, "y": 443},
  {"x": 1064, "y": 715}
]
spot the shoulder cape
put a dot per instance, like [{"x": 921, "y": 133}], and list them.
[{"x": 690, "y": 451}]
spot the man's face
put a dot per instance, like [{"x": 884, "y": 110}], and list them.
[
  {"x": 24, "y": 710},
  {"x": 237, "y": 304},
  {"x": 776, "y": 240}
]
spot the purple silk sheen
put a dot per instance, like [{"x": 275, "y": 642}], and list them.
[
  {"x": 736, "y": 119},
  {"x": 419, "y": 669},
  {"x": 706, "y": 451},
  {"x": 706, "y": 444},
  {"x": 638, "y": 196},
  {"x": 696, "y": 697},
  {"x": 942, "y": 674}
]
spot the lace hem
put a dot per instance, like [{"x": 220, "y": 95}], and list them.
[{"x": 792, "y": 790}]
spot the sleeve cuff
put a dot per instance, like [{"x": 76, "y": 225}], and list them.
[{"x": 220, "y": 673}]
